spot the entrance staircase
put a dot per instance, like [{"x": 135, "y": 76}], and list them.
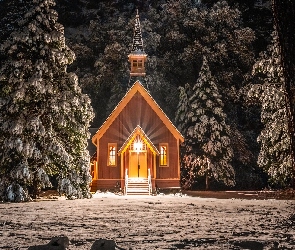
[{"x": 137, "y": 186}]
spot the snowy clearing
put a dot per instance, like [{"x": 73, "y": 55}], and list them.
[{"x": 155, "y": 222}]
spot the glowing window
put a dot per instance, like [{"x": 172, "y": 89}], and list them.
[
  {"x": 112, "y": 154},
  {"x": 163, "y": 155}
]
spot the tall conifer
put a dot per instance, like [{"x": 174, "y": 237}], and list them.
[
  {"x": 44, "y": 116},
  {"x": 208, "y": 148},
  {"x": 275, "y": 156}
]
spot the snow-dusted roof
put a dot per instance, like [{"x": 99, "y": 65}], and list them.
[{"x": 137, "y": 87}]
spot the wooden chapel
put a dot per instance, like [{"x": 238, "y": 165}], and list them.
[{"x": 137, "y": 147}]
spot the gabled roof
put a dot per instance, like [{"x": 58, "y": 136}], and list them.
[
  {"x": 137, "y": 87},
  {"x": 138, "y": 131}
]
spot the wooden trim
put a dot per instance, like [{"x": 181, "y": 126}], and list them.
[
  {"x": 167, "y": 179},
  {"x": 178, "y": 155},
  {"x": 122, "y": 165},
  {"x": 137, "y": 87},
  {"x": 101, "y": 179},
  {"x": 95, "y": 170},
  {"x": 97, "y": 165},
  {"x": 138, "y": 131},
  {"x": 155, "y": 165}
]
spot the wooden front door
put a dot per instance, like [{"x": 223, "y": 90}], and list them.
[{"x": 135, "y": 160}]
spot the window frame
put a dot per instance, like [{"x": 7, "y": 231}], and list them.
[
  {"x": 162, "y": 155},
  {"x": 134, "y": 63},
  {"x": 137, "y": 63},
  {"x": 112, "y": 153},
  {"x": 140, "y": 63}
]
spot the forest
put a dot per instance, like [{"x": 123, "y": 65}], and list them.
[{"x": 213, "y": 67}]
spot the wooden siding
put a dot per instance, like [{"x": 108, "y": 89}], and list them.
[
  {"x": 137, "y": 87},
  {"x": 167, "y": 183},
  {"x": 170, "y": 171},
  {"x": 137, "y": 112},
  {"x": 109, "y": 184},
  {"x": 105, "y": 171}
]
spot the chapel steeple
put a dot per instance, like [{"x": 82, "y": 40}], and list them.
[{"x": 137, "y": 57}]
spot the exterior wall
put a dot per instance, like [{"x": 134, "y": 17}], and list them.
[
  {"x": 150, "y": 158},
  {"x": 105, "y": 171},
  {"x": 167, "y": 183},
  {"x": 137, "y": 112},
  {"x": 110, "y": 184},
  {"x": 171, "y": 170}
]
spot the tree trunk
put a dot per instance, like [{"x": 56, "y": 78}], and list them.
[
  {"x": 207, "y": 181},
  {"x": 36, "y": 189},
  {"x": 284, "y": 16}
]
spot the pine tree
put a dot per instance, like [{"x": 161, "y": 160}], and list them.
[
  {"x": 183, "y": 108},
  {"x": 118, "y": 93},
  {"x": 112, "y": 36},
  {"x": 275, "y": 155},
  {"x": 188, "y": 174},
  {"x": 284, "y": 13},
  {"x": 207, "y": 142},
  {"x": 44, "y": 116}
]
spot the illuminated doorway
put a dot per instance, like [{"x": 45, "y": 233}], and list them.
[{"x": 138, "y": 159}]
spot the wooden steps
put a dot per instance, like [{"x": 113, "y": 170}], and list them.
[{"x": 138, "y": 186}]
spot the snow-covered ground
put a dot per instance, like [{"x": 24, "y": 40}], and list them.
[{"x": 156, "y": 222}]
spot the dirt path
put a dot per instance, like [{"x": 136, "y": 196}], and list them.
[{"x": 161, "y": 222}]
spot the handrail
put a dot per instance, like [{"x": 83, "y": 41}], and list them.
[
  {"x": 126, "y": 181},
  {"x": 150, "y": 181}
]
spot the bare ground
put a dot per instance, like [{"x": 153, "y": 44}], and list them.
[{"x": 236, "y": 220}]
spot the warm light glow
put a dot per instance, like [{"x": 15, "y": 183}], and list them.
[
  {"x": 163, "y": 155},
  {"x": 138, "y": 146},
  {"x": 112, "y": 154}
]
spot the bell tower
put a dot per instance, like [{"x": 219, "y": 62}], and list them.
[{"x": 137, "y": 57}]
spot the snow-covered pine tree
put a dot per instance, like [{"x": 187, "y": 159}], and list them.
[
  {"x": 183, "y": 108},
  {"x": 207, "y": 142},
  {"x": 44, "y": 116},
  {"x": 275, "y": 155},
  {"x": 188, "y": 173},
  {"x": 117, "y": 93}
]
